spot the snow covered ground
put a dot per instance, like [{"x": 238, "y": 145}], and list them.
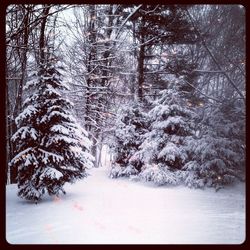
[{"x": 100, "y": 210}]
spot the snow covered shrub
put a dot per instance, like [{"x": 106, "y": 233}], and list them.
[
  {"x": 159, "y": 175},
  {"x": 165, "y": 143},
  {"x": 190, "y": 175},
  {"x": 130, "y": 126},
  {"x": 218, "y": 155},
  {"x": 51, "y": 148},
  {"x": 118, "y": 171},
  {"x": 115, "y": 171},
  {"x": 129, "y": 170}
]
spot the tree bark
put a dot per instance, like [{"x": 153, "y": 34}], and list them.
[
  {"x": 18, "y": 103},
  {"x": 141, "y": 58},
  {"x": 141, "y": 72},
  {"x": 42, "y": 34}
]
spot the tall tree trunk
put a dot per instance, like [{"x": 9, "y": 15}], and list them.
[
  {"x": 141, "y": 58},
  {"x": 90, "y": 81},
  {"x": 18, "y": 104},
  {"x": 42, "y": 33},
  {"x": 141, "y": 72},
  {"x": 90, "y": 67}
]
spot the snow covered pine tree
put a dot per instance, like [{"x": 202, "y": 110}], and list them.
[
  {"x": 131, "y": 124},
  {"x": 51, "y": 147},
  {"x": 217, "y": 155},
  {"x": 164, "y": 149}
]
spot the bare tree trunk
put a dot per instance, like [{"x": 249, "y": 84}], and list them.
[
  {"x": 99, "y": 155},
  {"x": 141, "y": 58},
  {"x": 42, "y": 33},
  {"x": 18, "y": 103},
  {"x": 90, "y": 68},
  {"x": 141, "y": 72}
]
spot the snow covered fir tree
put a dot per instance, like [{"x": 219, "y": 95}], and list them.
[
  {"x": 217, "y": 152},
  {"x": 131, "y": 125},
  {"x": 50, "y": 146},
  {"x": 164, "y": 150}
]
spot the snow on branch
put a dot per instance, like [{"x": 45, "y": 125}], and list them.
[
  {"x": 51, "y": 173},
  {"x": 46, "y": 155},
  {"x": 28, "y": 112},
  {"x": 128, "y": 17},
  {"x": 21, "y": 154},
  {"x": 24, "y": 132}
]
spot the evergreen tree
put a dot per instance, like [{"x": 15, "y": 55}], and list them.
[
  {"x": 182, "y": 65},
  {"x": 164, "y": 149},
  {"x": 217, "y": 156},
  {"x": 131, "y": 124},
  {"x": 51, "y": 148}
]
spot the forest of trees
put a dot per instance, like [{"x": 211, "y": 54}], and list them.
[{"x": 162, "y": 85}]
